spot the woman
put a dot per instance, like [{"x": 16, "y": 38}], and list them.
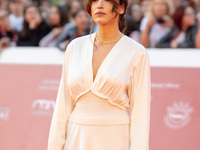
[
  {"x": 59, "y": 21},
  {"x": 34, "y": 28},
  {"x": 157, "y": 23},
  {"x": 103, "y": 76},
  {"x": 184, "y": 33}
]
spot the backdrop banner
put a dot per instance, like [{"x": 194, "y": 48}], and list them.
[{"x": 28, "y": 93}]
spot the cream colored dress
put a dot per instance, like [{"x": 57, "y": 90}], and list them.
[{"x": 110, "y": 113}]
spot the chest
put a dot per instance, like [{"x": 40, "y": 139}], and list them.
[{"x": 99, "y": 55}]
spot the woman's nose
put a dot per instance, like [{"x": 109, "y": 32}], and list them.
[{"x": 100, "y": 4}]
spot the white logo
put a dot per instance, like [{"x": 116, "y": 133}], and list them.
[
  {"x": 43, "y": 107},
  {"x": 178, "y": 115},
  {"x": 4, "y": 113}
]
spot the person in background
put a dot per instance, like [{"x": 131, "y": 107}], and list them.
[
  {"x": 66, "y": 4},
  {"x": 197, "y": 41},
  {"x": 58, "y": 19},
  {"x": 74, "y": 6},
  {"x": 8, "y": 36},
  {"x": 34, "y": 28},
  {"x": 145, "y": 5},
  {"x": 184, "y": 33},
  {"x": 4, "y": 4},
  {"x": 82, "y": 23},
  {"x": 176, "y": 3},
  {"x": 135, "y": 11},
  {"x": 16, "y": 14},
  {"x": 157, "y": 23}
]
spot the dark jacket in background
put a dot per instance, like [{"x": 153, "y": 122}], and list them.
[
  {"x": 34, "y": 36},
  {"x": 73, "y": 33},
  {"x": 189, "y": 42},
  {"x": 131, "y": 25}
]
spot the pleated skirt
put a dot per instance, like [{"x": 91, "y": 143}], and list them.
[{"x": 90, "y": 133}]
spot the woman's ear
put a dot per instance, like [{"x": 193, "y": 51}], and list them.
[{"x": 121, "y": 9}]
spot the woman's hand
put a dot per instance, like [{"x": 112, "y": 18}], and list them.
[{"x": 35, "y": 22}]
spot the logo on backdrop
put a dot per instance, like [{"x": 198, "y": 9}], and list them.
[
  {"x": 178, "y": 115},
  {"x": 4, "y": 113},
  {"x": 43, "y": 107}
]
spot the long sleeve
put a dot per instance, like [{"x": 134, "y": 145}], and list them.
[
  {"x": 63, "y": 108},
  {"x": 48, "y": 40},
  {"x": 140, "y": 103}
]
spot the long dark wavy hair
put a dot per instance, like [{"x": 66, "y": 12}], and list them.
[{"x": 116, "y": 4}]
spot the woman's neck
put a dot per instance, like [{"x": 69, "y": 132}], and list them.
[{"x": 108, "y": 33}]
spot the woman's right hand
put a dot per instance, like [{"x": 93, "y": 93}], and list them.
[{"x": 35, "y": 22}]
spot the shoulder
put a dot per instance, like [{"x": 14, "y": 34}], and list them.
[
  {"x": 135, "y": 50},
  {"x": 133, "y": 45},
  {"x": 78, "y": 42},
  {"x": 81, "y": 39}
]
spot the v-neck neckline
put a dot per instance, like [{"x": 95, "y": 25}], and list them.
[{"x": 107, "y": 56}]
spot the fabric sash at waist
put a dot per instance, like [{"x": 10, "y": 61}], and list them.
[{"x": 91, "y": 109}]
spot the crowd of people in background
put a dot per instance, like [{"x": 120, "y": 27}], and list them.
[{"x": 153, "y": 23}]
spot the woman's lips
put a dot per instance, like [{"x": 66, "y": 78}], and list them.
[{"x": 99, "y": 13}]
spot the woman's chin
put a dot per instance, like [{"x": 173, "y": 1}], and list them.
[{"x": 101, "y": 21}]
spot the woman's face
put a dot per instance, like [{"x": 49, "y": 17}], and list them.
[
  {"x": 188, "y": 17},
  {"x": 159, "y": 8},
  {"x": 54, "y": 16},
  {"x": 32, "y": 14},
  {"x": 101, "y": 12},
  {"x": 82, "y": 20}
]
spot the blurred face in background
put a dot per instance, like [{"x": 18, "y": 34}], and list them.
[
  {"x": 188, "y": 17},
  {"x": 16, "y": 8},
  {"x": 32, "y": 14},
  {"x": 4, "y": 21},
  {"x": 75, "y": 5},
  {"x": 55, "y": 16},
  {"x": 82, "y": 20},
  {"x": 136, "y": 12},
  {"x": 145, "y": 4},
  {"x": 160, "y": 8},
  {"x": 176, "y": 3}
]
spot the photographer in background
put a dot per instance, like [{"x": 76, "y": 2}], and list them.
[{"x": 157, "y": 23}]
